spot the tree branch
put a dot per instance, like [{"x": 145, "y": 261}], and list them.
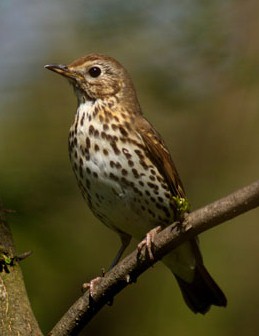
[
  {"x": 130, "y": 268},
  {"x": 16, "y": 316}
]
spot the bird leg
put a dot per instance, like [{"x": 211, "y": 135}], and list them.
[
  {"x": 148, "y": 241},
  {"x": 125, "y": 240},
  {"x": 93, "y": 284}
]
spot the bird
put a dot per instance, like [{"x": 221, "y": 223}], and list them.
[{"x": 125, "y": 171}]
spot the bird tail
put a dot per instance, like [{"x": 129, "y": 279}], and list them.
[{"x": 202, "y": 292}]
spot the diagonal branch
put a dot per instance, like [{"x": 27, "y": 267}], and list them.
[{"x": 130, "y": 268}]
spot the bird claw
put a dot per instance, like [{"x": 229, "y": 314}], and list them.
[
  {"x": 93, "y": 285},
  {"x": 148, "y": 242}
]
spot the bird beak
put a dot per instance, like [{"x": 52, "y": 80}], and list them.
[{"x": 63, "y": 70}]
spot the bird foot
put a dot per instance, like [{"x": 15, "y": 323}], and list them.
[
  {"x": 93, "y": 285},
  {"x": 147, "y": 243}
]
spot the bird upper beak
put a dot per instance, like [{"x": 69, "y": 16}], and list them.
[{"x": 63, "y": 70}]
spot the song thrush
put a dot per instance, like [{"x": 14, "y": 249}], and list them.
[{"x": 125, "y": 171}]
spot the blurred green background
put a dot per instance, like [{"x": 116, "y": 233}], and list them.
[{"x": 195, "y": 65}]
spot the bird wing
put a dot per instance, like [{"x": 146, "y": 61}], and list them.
[{"x": 159, "y": 155}]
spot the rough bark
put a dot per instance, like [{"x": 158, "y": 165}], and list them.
[{"x": 16, "y": 316}]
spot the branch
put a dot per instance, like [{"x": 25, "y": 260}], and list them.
[{"x": 130, "y": 268}]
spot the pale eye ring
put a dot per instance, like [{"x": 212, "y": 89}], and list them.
[{"x": 94, "y": 71}]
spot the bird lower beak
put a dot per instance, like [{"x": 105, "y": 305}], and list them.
[{"x": 63, "y": 70}]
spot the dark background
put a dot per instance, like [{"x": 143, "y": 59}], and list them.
[{"x": 195, "y": 65}]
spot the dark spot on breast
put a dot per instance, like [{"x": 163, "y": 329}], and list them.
[
  {"x": 91, "y": 130},
  {"x": 109, "y": 137},
  {"x": 135, "y": 173},
  {"x": 105, "y": 127},
  {"x": 143, "y": 164},
  {"x": 152, "y": 185},
  {"x": 103, "y": 135},
  {"x": 126, "y": 182},
  {"x": 152, "y": 178},
  {"x": 87, "y": 155},
  {"x": 167, "y": 195},
  {"x": 164, "y": 186},
  {"x": 82, "y": 119},
  {"x": 113, "y": 177},
  {"x": 125, "y": 151},
  {"x": 124, "y": 172},
  {"x": 130, "y": 163},
  {"x": 115, "y": 148},
  {"x": 138, "y": 191},
  {"x": 114, "y": 127},
  {"x": 105, "y": 152},
  {"x": 112, "y": 164},
  {"x": 96, "y": 148},
  {"x": 95, "y": 175},
  {"x": 115, "y": 138},
  {"x": 167, "y": 212},
  {"x": 160, "y": 199},
  {"x": 118, "y": 165},
  {"x": 152, "y": 171},
  {"x": 141, "y": 183},
  {"x": 123, "y": 131},
  {"x": 88, "y": 142},
  {"x": 139, "y": 153}
]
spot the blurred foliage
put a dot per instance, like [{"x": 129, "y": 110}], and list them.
[{"x": 195, "y": 65}]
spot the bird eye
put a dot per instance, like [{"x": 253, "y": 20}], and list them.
[{"x": 94, "y": 71}]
